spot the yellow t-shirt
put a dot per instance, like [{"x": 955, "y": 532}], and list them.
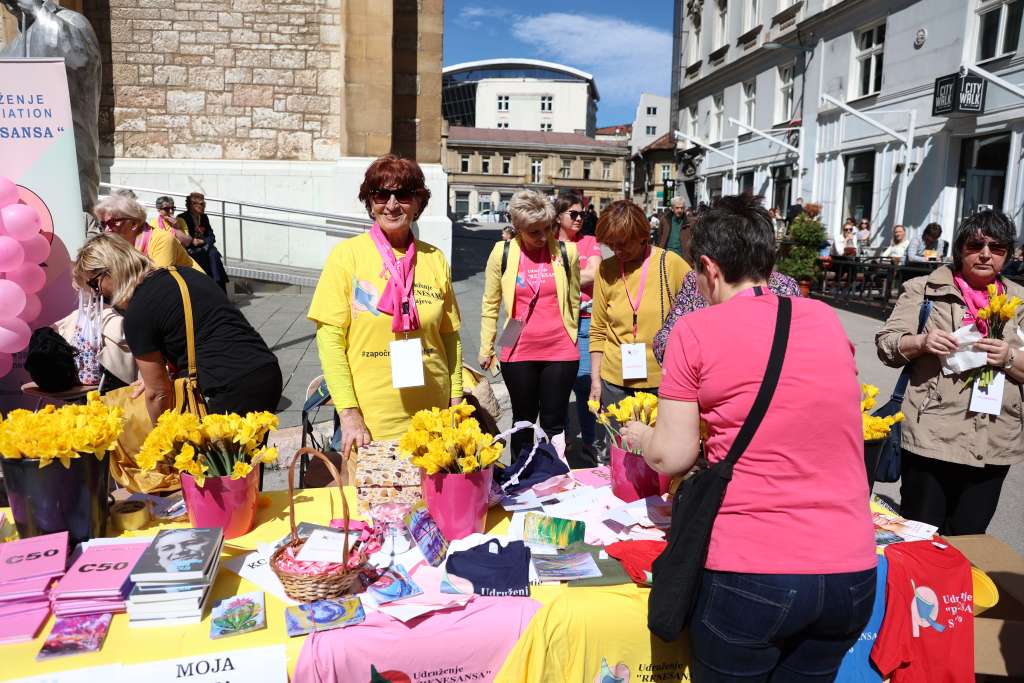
[
  {"x": 611, "y": 321},
  {"x": 164, "y": 250},
  {"x": 346, "y": 296}
]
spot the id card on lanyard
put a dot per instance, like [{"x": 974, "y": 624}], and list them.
[
  {"x": 406, "y": 363},
  {"x": 634, "y": 356}
]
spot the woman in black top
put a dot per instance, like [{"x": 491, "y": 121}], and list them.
[
  {"x": 237, "y": 372},
  {"x": 203, "y": 247}
]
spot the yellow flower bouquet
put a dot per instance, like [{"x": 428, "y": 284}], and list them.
[
  {"x": 63, "y": 434},
  {"x": 642, "y": 407},
  {"x": 213, "y": 446},
  {"x": 449, "y": 440},
  {"x": 992, "y": 319},
  {"x": 875, "y": 427}
]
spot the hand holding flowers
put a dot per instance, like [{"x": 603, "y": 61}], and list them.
[
  {"x": 635, "y": 415},
  {"x": 990, "y": 322}
]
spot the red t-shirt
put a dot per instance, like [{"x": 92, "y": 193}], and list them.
[
  {"x": 798, "y": 499},
  {"x": 587, "y": 247},
  {"x": 544, "y": 336},
  {"x": 927, "y": 634}
]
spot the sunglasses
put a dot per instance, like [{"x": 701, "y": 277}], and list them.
[
  {"x": 94, "y": 282},
  {"x": 848, "y": 229},
  {"x": 974, "y": 246},
  {"x": 115, "y": 223},
  {"x": 383, "y": 196},
  {"x": 575, "y": 215}
]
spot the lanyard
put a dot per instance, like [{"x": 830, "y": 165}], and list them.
[{"x": 640, "y": 292}]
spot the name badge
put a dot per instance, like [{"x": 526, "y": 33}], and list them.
[
  {"x": 990, "y": 399},
  {"x": 634, "y": 361},
  {"x": 406, "y": 363},
  {"x": 510, "y": 335}
]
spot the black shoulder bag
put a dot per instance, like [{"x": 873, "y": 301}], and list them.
[{"x": 678, "y": 570}]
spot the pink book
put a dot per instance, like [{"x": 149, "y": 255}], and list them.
[
  {"x": 102, "y": 570},
  {"x": 19, "y": 628},
  {"x": 26, "y": 588},
  {"x": 595, "y": 476},
  {"x": 22, "y": 606},
  {"x": 34, "y": 557}
]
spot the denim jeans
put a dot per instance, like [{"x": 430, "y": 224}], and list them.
[
  {"x": 777, "y": 627},
  {"x": 581, "y": 388}
]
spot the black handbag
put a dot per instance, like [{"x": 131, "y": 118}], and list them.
[
  {"x": 678, "y": 570},
  {"x": 890, "y": 459}
]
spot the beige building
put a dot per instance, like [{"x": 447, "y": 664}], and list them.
[
  {"x": 487, "y": 166},
  {"x": 654, "y": 173}
]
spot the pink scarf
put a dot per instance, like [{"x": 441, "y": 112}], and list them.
[
  {"x": 976, "y": 299},
  {"x": 397, "y": 299}
]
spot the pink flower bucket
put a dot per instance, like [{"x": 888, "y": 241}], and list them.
[
  {"x": 222, "y": 502},
  {"x": 632, "y": 478},
  {"x": 458, "y": 502}
]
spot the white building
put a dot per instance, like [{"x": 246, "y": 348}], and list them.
[
  {"x": 857, "y": 96},
  {"x": 651, "y": 120},
  {"x": 520, "y": 94}
]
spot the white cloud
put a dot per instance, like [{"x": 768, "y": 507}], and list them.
[
  {"x": 475, "y": 17},
  {"x": 625, "y": 58}
]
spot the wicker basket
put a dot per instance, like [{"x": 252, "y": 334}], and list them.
[{"x": 331, "y": 584}]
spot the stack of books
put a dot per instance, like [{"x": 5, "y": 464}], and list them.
[
  {"x": 98, "y": 580},
  {"x": 173, "y": 577},
  {"x": 27, "y": 568}
]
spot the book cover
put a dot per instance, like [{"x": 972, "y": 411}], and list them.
[
  {"x": 143, "y": 594},
  {"x": 323, "y": 615},
  {"x": 556, "y": 531},
  {"x": 178, "y": 555},
  {"x": 393, "y": 584},
  {"x": 19, "y": 590},
  {"x": 565, "y": 567},
  {"x": 33, "y": 557},
  {"x": 75, "y": 635},
  {"x": 237, "y": 615},
  {"x": 101, "y": 570},
  {"x": 426, "y": 533},
  {"x": 18, "y": 628}
]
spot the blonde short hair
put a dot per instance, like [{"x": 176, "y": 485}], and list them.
[
  {"x": 119, "y": 205},
  {"x": 112, "y": 255},
  {"x": 529, "y": 207}
]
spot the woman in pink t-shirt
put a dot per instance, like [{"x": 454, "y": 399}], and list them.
[
  {"x": 537, "y": 278},
  {"x": 790, "y": 572},
  {"x": 569, "y": 222}
]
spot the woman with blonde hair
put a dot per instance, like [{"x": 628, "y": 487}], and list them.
[
  {"x": 124, "y": 216},
  {"x": 537, "y": 279}
]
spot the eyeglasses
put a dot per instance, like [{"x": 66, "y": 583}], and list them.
[
  {"x": 115, "y": 223},
  {"x": 575, "y": 215},
  {"x": 996, "y": 249},
  {"x": 383, "y": 196},
  {"x": 94, "y": 282}
]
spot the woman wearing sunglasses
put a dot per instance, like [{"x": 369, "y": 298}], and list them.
[
  {"x": 954, "y": 458},
  {"x": 123, "y": 216},
  {"x": 537, "y": 279},
  {"x": 387, "y": 320},
  {"x": 165, "y": 220}
]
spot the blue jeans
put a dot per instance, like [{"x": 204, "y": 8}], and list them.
[
  {"x": 778, "y": 627},
  {"x": 581, "y": 388}
]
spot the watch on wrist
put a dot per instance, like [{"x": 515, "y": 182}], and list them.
[{"x": 1009, "y": 360}]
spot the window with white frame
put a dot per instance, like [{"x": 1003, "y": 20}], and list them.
[
  {"x": 717, "y": 118},
  {"x": 464, "y": 163},
  {"x": 784, "y": 105},
  {"x": 506, "y": 165},
  {"x": 748, "y": 110},
  {"x": 666, "y": 172},
  {"x": 485, "y": 164},
  {"x": 721, "y": 23},
  {"x": 693, "y": 123},
  {"x": 651, "y": 130},
  {"x": 999, "y": 23},
  {"x": 652, "y": 111},
  {"x": 868, "y": 60},
  {"x": 586, "y": 169},
  {"x": 606, "y": 172},
  {"x": 502, "y": 124},
  {"x": 751, "y": 14},
  {"x": 546, "y": 103},
  {"x": 535, "y": 166},
  {"x": 545, "y": 127},
  {"x": 694, "y": 46},
  {"x": 566, "y": 171},
  {"x": 502, "y": 102}
]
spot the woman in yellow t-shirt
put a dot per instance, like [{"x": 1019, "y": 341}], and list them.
[
  {"x": 124, "y": 216},
  {"x": 386, "y": 315}
]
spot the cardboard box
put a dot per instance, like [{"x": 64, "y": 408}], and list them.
[{"x": 999, "y": 631}]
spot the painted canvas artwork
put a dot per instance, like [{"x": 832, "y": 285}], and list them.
[
  {"x": 393, "y": 584},
  {"x": 76, "y": 635},
  {"x": 237, "y": 615},
  {"x": 426, "y": 533},
  {"x": 565, "y": 567},
  {"x": 540, "y": 528},
  {"x": 323, "y": 615}
]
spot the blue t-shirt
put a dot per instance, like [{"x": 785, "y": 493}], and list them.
[{"x": 857, "y": 666}]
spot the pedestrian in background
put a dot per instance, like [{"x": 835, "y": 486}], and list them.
[
  {"x": 165, "y": 220},
  {"x": 929, "y": 246},
  {"x": 386, "y": 312},
  {"x": 674, "y": 231},
  {"x": 897, "y": 251},
  {"x": 954, "y": 460},
  {"x": 794, "y": 211},
  {"x": 633, "y": 294},
  {"x": 125, "y": 217},
  {"x": 537, "y": 280},
  {"x": 203, "y": 244},
  {"x": 864, "y": 233},
  {"x": 590, "y": 220},
  {"x": 569, "y": 222}
]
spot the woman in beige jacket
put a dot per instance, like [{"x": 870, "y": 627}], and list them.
[{"x": 954, "y": 459}]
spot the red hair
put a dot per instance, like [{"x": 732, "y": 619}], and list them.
[{"x": 391, "y": 171}]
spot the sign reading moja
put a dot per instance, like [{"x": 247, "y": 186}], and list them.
[{"x": 956, "y": 94}]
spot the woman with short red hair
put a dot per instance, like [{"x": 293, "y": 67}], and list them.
[{"x": 386, "y": 315}]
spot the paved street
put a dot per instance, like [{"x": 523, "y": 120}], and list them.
[{"x": 281, "y": 319}]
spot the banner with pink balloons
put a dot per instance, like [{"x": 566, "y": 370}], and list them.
[{"x": 42, "y": 225}]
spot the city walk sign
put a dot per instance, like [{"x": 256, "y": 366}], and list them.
[{"x": 958, "y": 95}]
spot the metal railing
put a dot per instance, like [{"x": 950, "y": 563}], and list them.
[{"x": 273, "y": 231}]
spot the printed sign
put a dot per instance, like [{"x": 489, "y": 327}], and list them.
[{"x": 955, "y": 94}]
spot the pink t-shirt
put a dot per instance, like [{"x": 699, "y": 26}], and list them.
[
  {"x": 587, "y": 247},
  {"x": 544, "y": 336},
  {"x": 798, "y": 499}
]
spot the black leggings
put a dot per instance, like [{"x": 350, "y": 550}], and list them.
[
  {"x": 959, "y": 499},
  {"x": 539, "y": 386},
  {"x": 257, "y": 390}
]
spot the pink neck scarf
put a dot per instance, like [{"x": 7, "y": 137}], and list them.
[
  {"x": 976, "y": 299},
  {"x": 397, "y": 299}
]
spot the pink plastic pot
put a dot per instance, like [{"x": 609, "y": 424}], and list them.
[
  {"x": 222, "y": 502},
  {"x": 632, "y": 478},
  {"x": 458, "y": 502}
]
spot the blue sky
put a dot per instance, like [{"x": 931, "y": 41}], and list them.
[{"x": 627, "y": 46}]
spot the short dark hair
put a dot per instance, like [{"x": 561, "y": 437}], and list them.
[
  {"x": 564, "y": 201},
  {"x": 994, "y": 224},
  {"x": 396, "y": 171},
  {"x": 737, "y": 234},
  {"x": 932, "y": 230}
]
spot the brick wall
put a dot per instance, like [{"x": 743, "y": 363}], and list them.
[{"x": 243, "y": 79}]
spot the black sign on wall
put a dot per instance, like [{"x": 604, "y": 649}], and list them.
[{"x": 955, "y": 94}]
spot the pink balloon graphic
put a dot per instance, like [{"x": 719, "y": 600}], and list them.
[
  {"x": 20, "y": 221},
  {"x": 36, "y": 248},
  {"x": 6, "y": 363},
  {"x": 31, "y": 277},
  {"x": 12, "y": 298},
  {"x": 8, "y": 192},
  {"x": 14, "y": 335},
  {"x": 12, "y": 254},
  {"x": 33, "y": 307}
]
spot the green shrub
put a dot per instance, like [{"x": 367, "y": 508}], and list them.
[{"x": 800, "y": 261}]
